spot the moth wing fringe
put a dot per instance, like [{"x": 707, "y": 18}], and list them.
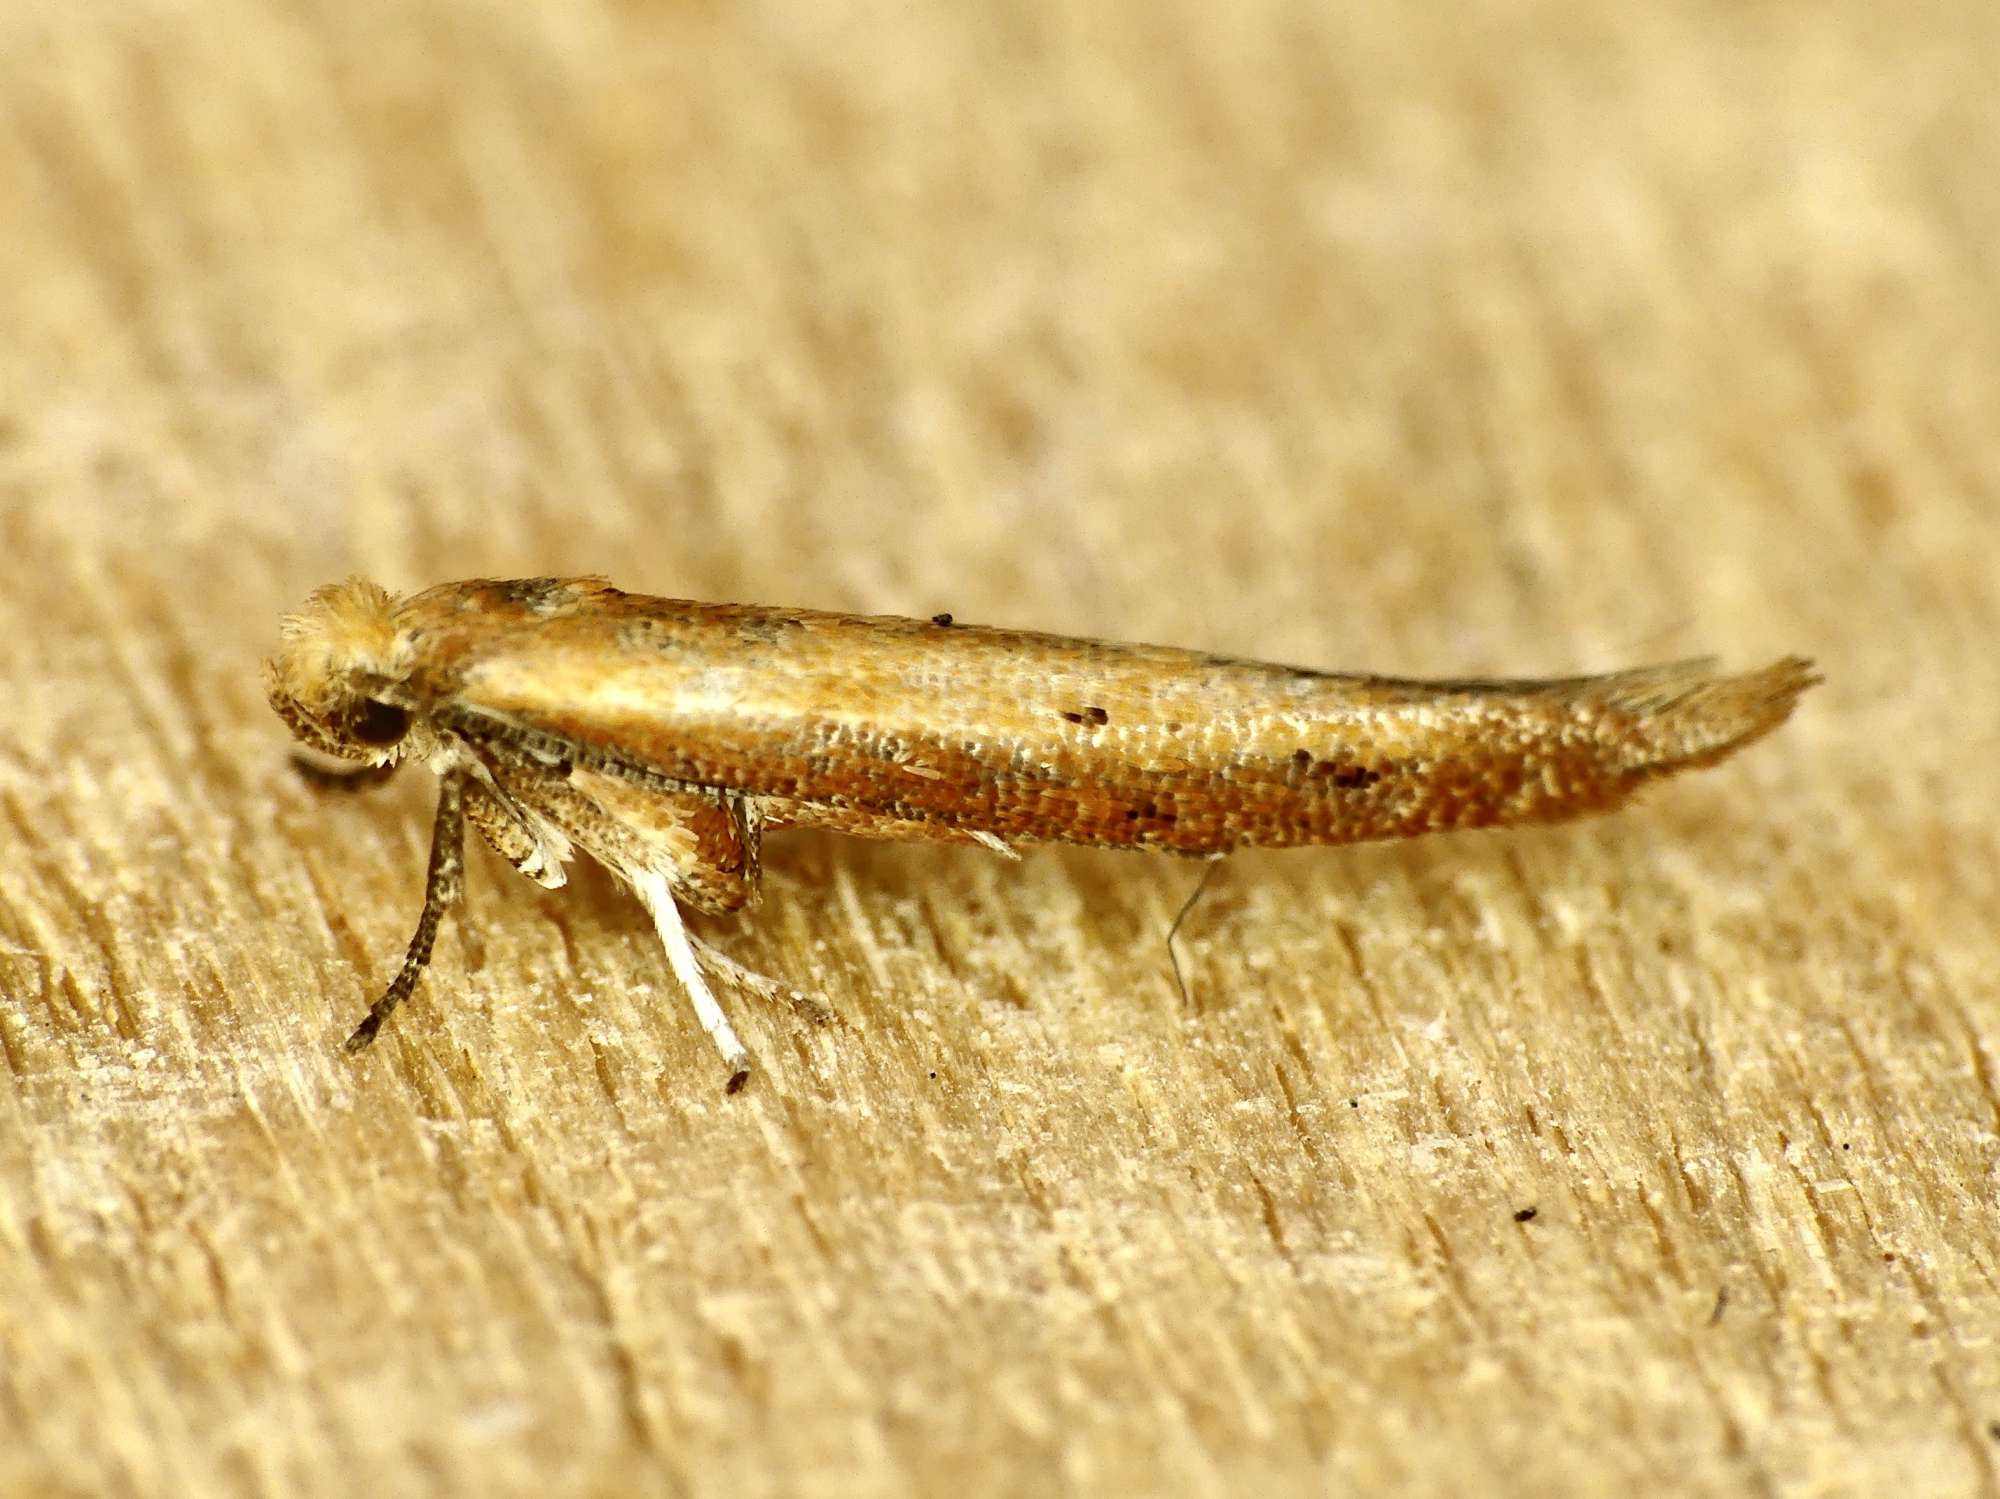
[{"x": 1685, "y": 714}]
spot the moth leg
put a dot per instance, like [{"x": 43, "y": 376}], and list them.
[
  {"x": 719, "y": 963},
  {"x": 1214, "y": 862},
  {"x": 719, "y": 873},
  {"x": 651, "y": 887},
  {"x": 536, "y": 853},
  {"x": 697, "y": 850},
  {"x": 443, "y": 885},
  {"x": 721, "y": 876}
]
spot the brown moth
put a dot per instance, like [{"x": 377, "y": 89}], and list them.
[{"x": 664, "y": 738}]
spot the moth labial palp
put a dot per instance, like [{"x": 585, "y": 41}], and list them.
[{"x": 663, "y": 737}]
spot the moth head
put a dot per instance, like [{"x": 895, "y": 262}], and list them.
[{"x": 338, "y": 676}]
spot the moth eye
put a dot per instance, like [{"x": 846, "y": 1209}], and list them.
[{"x": 377, "y": 724}]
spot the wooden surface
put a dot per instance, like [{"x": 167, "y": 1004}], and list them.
[{"x": 1479, "y": 338}]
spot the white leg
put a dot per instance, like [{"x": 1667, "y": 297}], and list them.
[{"x": 659, "y": 899}]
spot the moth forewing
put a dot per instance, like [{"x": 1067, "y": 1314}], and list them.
[{"x": 661, "y": 737}]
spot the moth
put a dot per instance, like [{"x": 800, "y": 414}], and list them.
[{"x": 664, "y": 738}]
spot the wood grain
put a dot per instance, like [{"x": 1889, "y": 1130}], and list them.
[{"x": 1480, "y": 340}]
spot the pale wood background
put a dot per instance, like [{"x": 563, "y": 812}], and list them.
[{"x": 1483, "y": 337}]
